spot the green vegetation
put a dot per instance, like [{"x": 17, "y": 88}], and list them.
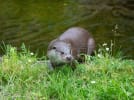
[{"x": 102, "y": 77}]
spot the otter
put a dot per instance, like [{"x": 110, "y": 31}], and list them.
[{"x": 69, "y": 46}]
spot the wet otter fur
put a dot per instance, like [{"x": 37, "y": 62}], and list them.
[{"x": 68, "y": 46}]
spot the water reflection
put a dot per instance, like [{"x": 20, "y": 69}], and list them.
[{"x": 37, "y": 22}]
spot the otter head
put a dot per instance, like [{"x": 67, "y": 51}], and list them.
[{"x": 59, "y": 52}]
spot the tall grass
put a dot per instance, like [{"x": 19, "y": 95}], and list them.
[{"x": 101, "y": 77}]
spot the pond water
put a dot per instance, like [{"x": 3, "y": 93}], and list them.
[{"x": 37, "y": 22}]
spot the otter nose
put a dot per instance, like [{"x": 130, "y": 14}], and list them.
[{"x": 69, "y": 58}]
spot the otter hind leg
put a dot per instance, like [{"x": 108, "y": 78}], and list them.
[{"x": 91, "y": 46}]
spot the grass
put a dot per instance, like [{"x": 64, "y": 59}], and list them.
[{"x": 101, "y": 77}]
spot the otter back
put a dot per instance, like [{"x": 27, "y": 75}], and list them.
[{"x": 80, "y": 39}]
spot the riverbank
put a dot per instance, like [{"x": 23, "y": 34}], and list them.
[{"x": 101, "y": 77}]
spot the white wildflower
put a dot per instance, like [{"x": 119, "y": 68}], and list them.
[
  {"x": 93, "y": 82},
  {"x": 32, "y": 53},
  {"x": 99, "y": 55},
  {"x": 107, "y": 49},
  {"x": 104, "y": 44}
]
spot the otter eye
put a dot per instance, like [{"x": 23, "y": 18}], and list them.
[
  {"x": 62, "y": 52},
  {"x": 54, "y": 48}
]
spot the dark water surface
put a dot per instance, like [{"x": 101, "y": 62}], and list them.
[{"x": 37, "y": 22}]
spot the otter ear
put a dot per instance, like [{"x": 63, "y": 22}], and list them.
[{"x": 50, "y": 46}]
